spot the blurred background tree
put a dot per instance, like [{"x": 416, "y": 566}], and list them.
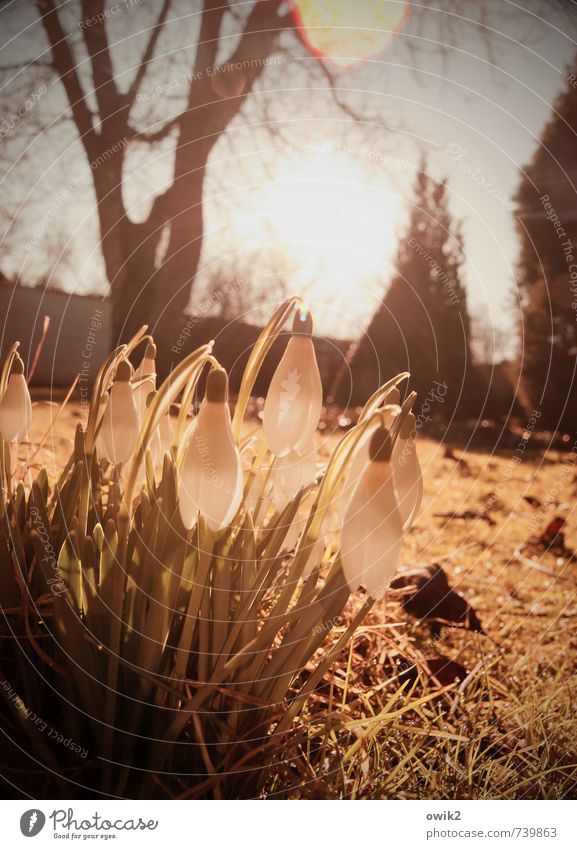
[
  {"x": 183, "y": 148},
  {"x": 423, "y": 324},
  {"x": 151, "y": 263},
  {"x": 548, "y": 256}
]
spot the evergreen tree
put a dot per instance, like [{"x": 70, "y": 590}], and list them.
[
  {"x": 422, "y": 325},
  {"x": 547, "y": 269}
]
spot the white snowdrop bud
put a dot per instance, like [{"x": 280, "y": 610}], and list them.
[
  {"x": 294, "y": 400},
  {"x": 120, "y": 423},
  {"x": 146, "y": 372},
  {"x": 147, "y": 367},
  {"x": 210, "y": 480},
  {"x": 360, "y": 458},
  {"x": 372, "y": 529},
  {"x": 15, "y": 406}
]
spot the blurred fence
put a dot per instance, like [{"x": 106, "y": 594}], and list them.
[
  {"x": 77, "y": 339},
  {"x": 79, "y": 336}
]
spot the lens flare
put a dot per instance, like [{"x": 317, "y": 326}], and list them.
[{"x": 347, "y": 33}]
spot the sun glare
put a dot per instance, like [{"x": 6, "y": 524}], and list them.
[{"x": 335, "y": 218}]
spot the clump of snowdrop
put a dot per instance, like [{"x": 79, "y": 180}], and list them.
[
  {"x": 239, "y": 601},
  {"x": 15, "y": 406}
]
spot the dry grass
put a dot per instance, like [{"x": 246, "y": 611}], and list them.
[{"x": 502, "y": 724}]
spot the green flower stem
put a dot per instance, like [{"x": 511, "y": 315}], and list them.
[
  {"x": 191, "y": 366},
  {"x": 261, "y": 348}
]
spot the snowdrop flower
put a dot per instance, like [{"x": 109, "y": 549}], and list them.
[
  {"x": 146, "y": 372},
  {"x": 120, "y": 423},
  {"x": 372, "y": 529},
  {"x": 15, "y": 406},
  {"x": 294, "y": 401},
  {"x": 211, "y": 473},
  {"x": 408, "y": 474},
  {"x": 147, "y": 367},
  {"x": 361, "y": 455}
]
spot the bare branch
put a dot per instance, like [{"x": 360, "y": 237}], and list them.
[
  {"x": 64, "y": 65},
  {"x": 154, "y": 135},
  {"x": 209, "y": 33},
  {"x": 261, "y": 32},
  {"x": 23, "y": 66},
  {"x": 344, "y": 107},
  {"x": 96, "y": 40},
  {"x": 148, "y": 54}
]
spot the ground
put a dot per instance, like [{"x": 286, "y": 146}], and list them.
[{"x": 410, "y": 712}]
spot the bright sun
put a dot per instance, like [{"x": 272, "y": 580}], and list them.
[{"x": 334, "y": 217}]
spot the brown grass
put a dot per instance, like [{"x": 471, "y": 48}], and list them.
[{"x": 506, "y": 728}]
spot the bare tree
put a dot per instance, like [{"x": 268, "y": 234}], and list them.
[
  {"x": 140, "y": 286},
  {"x": 151, "y": 264}
]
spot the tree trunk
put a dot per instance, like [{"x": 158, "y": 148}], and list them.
[
  {"x": 173, "y": 282},
  {"x": 133, "y": 295},
  {"x": 142, "y": 290},
  {"x": 183, "y": 208}
]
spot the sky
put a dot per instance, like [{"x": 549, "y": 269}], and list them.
[{"x": 300, "y": 196}]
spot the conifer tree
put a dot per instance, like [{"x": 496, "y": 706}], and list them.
[
  {"x": 422, "y": 325},
  {"x": 547, "y": 268}
]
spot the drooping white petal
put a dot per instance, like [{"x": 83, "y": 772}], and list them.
[
  {"x": 15, "y": 409},
  {"x": 408, "y": 480},
  {"x": 147, "y": 367},
  {"x": 294, "y": 400},
  {"x": 316, "y": 406},
  {"x": 140, "y": 394},
  {"x": 211, "y": 472},
  {"x": 372, "y": 531},
  {"x": 358, "y": 463},
  {"x": 357, "y": 466},
  {"x": 120, "y": 423},
  {"x": 156, "y": 455}
]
